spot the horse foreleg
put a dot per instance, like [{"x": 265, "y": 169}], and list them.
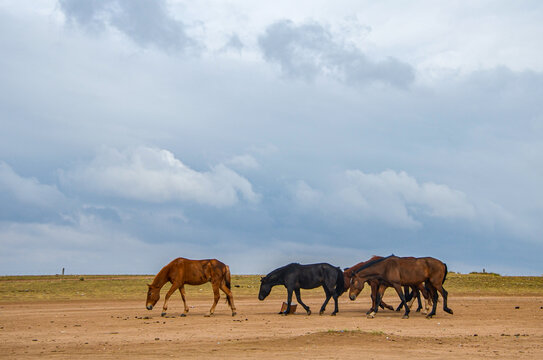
[
  {"x": 398, "y": 289},
  {"x": 419, "y": 302},
  {"x": 378, "y": 298},
  {"x": 229, "y": 297},
  {"x": 299, "y": 298},
  {"x": 382, "y": 304},
  {"x": 174, "y": 287},
  {"x": 374, "y": 289},
  {"x": 427, "y": 298},
  {"x": 182, "y": 291},
  {"x": 410, "y": 298},
  {"x": 289, "y": 300},
  {"x": 216, "y": 297}
]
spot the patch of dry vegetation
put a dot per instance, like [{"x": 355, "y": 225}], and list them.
[{"x": 133, "y": 287}]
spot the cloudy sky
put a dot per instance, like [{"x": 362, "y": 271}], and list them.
[{"x": 133, "y": 132}]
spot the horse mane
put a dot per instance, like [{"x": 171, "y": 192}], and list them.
[
  {"x": 276, "y": 272},
  {"x": 162, "y": 277},
  {"x": 349, "y": 270},
  {"x": 371, "y": 263}
]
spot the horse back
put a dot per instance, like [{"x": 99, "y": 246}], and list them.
[
  {"x": 312, "y": 275},
  {"x": 411, "y": 270},
  {"x": 197, "y": 272}
]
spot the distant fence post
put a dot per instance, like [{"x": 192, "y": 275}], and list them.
[{"x": 62, "y": 271}]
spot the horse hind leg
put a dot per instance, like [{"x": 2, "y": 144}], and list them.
[
  {"x": 299, "y": 298},
  {"x": 328, "y": 296},
  {"x": 336, "y": 308},
  {"x": 229, "y": 297},
  {"x": 445, "y": 294},
  {"x": 432, "y": 294}
]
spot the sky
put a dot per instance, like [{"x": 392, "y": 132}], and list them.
[{"x": 133, "y": 132}]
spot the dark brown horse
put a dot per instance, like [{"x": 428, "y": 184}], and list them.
[
  {"x": 395, "y": 272},
  {"x": 375, "y": 283},
  {"x": 192, "y": 272}
]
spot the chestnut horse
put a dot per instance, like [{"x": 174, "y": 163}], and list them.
[
  {"x": 395, "y": 271},
  {"x": 183, "y": 271},
  {"x": 375, "y": 283}
]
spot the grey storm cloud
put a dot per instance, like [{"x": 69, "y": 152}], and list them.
[
  {"x": 308, "y": 50},
  {"x": 145, "y": 22}
]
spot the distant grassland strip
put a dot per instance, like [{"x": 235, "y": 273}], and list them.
[{"x": 133, "y": 287}]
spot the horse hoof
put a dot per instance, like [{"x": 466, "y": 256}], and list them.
[
  {"x": 308, "y": 312},
  {"x": 429, "y": 316},
  {"x": 370, "y": 316},
  {"x": 183, "y": 315},
  {"x": 449, "y": 311},
  {"x": 333, "y": 314},
  {"x": 163, "y": 314},
  {"x": 405, "y": 317},
  {"x": 208, "y": 315},
  {"x": 233, "y": 313}
]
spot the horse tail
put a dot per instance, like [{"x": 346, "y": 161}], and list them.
[
  {"x": 227, "y": 281},
  {"x": 445, "y": 275},
  {"x": 340, "y": 282},
  {"x": 227, "y": 277}
]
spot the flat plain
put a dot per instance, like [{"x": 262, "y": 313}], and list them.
[{"x": 104, "y": 317}]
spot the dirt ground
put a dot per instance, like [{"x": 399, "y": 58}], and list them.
[{"x": 481, "y": 327}]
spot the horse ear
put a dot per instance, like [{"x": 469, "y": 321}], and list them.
[
  {"x": 149, "y": 285},
  {"x": 261, "y": 278},
  {"x": 346, "y": 269}
]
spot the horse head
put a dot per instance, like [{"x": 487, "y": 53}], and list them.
[
  {"x": 356, "y": 285},
  {"x": 265, "y": 288},
  {"x": 153, "y": 294}
]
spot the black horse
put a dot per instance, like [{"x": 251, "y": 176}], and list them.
[{"x": 295, "y": 277}]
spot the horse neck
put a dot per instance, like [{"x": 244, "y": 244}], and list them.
[
  {"x": 275, "y": 280},
  {"x": 350, "y": 271},
  {"x": 368, "y": 274},
  {"x": 162, "y": 277}
]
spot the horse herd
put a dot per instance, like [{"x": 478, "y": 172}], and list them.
[{"x": 409, "y": 276}]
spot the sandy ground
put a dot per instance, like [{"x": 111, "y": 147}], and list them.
[{"x": 481, "y": 327}]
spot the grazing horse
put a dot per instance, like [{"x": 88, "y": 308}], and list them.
[
  {"x": 295, "y": 277},
  {"x": 395, "y": 272},
  {"x": 375, "y": 283},
  {"x": 183, "y": 271}
]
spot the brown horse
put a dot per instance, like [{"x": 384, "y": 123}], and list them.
[
  {"x": 395, "y": 272},
  {"x": 192, "y": 272},
  {"x": 375, "y": 283}
]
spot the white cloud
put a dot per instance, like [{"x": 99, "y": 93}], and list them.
[
  {"x": 243, "y": 162},
  {"x": 311, "y": 49},
  {"x": 154, "y": 175},
  {"x": 28, "y": 191},
  {"x": 145, "y": 22},
  {"x": 306, "y": 195},
  {"x": 390, "y": 197}
]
